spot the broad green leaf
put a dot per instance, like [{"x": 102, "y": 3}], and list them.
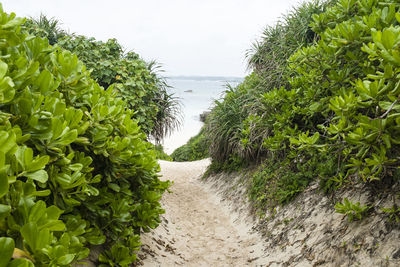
[
  {"x": 44, "y": 238},
  {"x": 7, "y": 141},
  {"x": 42, "y": 193},
  {"x": 30, "y": 234},
  {"x": 53, "y": 225},
  {"x": 4, "y": 210},
  {"x": 7, "y": 90},
  {"x": 67, "y": 138},
  {"x": 37, "y": 163},
  {"x": 66, "y": 259},
  {"x": 37, "y": 212},
  {"x": 13, "y": 23},
  {"x": 53, "y": 212},
  {"x": 114, "y": 187},
  {"x": 40, "y": 176},
  {"x": 76, "y": 167},
  {"x": 6, "y": 250},
  {"x": 21, "y": 262},
  {"x": 95, "y": 237},
  {"x": 3, "y": 69},
  {"x": 44, "y": 81},
  {"x": 22, "y": 154}
]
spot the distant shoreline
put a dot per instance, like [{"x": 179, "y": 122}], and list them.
[{"x": 207, "y": 78}]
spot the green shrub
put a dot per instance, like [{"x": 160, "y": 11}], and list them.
[
  {"x": 258, "y": 115},
  {"x": 348, "y": 87},
  {"x": 336, "y": 105},
  {"x": 75, "y": 170},
  {"x": 195, "y": 149},
  {"x": 139, "y": 83},
  {"x": 279, "y": 181},
  {"x": 224, "y": 123},
  {"x": 352, "y": 210},
  {"x": 160, "y": 154},
  {"x": 393, "y": 213}
]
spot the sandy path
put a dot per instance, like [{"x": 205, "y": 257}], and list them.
[{"x": 196, "y": 229}]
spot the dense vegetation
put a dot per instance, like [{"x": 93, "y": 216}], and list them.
[
  {"x": 136, "y": 81},
  {"x": 195, "y": 149},
  {"x": 75, "y": 169},
  {"x": 321, "y": 102}
]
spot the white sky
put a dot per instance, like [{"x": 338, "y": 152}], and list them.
[{"x": 188, "y": 37}]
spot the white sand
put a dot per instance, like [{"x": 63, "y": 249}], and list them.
[
  {"x": 208, "y": 224},
  {"x": 196, "y": 229}
]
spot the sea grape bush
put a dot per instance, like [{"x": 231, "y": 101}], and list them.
[
  {"x": 138, "y": 82},
  {"x": 335, "y": 118},
  {"x": 75, "y": 169},
  {"x": 254, "y": 121},
  {"x": 259, "y": 107},
  {"x": 349, "y": 79}
]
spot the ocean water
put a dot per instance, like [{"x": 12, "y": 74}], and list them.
[{"x": 196, "y": 95}]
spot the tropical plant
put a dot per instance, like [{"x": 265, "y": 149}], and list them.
[
  {"x": 169, "y": 113},
  {"x": 75, "y": 169},
  {"x": 258, "y": 108},
  {"x": 338, "y": 101},
  {"x": 195, "y": 149},
  {"x": 45, "y": 28},
  {"x": 139, "y": 83},
  {"x": 352, "y": 210}
]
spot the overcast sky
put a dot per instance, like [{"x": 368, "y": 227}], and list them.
[{"x": 189, "y": 37}]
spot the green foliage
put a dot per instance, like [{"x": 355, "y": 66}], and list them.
[
  {"x": 75, "y": 170},
  {"x": 278, "y": 182},
  {"x": 195, "y": 149},
  {"x": 259, "y": 114},
  {"x": 352, "y": 210},
  {"x": 268, "y": 57},
  {"x": 334, "y": 99},
  {"x": 233, "y": 164},
  {"x": 224, "y": 123},
  {"x": 7, "y": 248},
  {"x": 45, "y": 28},
  {"x": 393, "y": 213},
  {"x": 160, "y": 154},
  {"x": 348, "y": 79},
  {"x": 139, "y": 83},
  {"x": 136, "y": 81}
]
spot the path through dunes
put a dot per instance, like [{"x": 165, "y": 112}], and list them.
[{"x": 196, "y": 229}]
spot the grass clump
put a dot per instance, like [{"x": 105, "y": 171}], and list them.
[
  {"x": 160, "y": 154},
  {"x": 321, "y": 102},
  {"x": 195, "y": 149}
]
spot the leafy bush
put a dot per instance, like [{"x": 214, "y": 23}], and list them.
[
  {"x": 254, "y": 120},
  {"x": 278, "y": 182},
  {"x": 45, "y": 28},
  {"x": 160, "y": 154},
  {"x": 75, "y": 170},
  {"x": 139, "y": 83},
  {"x": 195, "y": 149},
  {"x": 393, "y": 213},
  {"x": 352, "y": 210},
  {"x": 268, "y": 57},
  {"x": 337, "y": 103},
  {"x": 258, "y": 108},
  {"x": 347, "y": 86},
  {"x": 224, "y": 123}
]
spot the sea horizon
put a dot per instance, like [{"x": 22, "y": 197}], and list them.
[{"x": 197, "y": 94}]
